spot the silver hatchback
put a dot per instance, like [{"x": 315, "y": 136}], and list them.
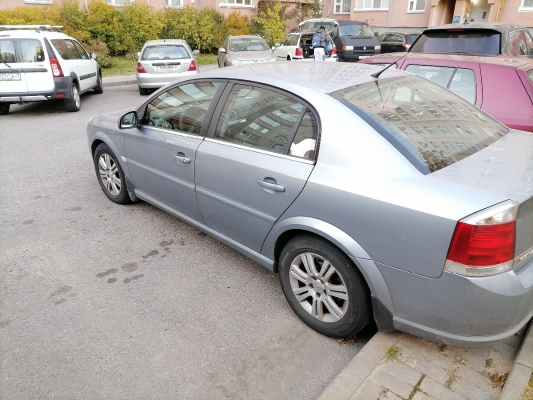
[
  {"x": 163, "y": 61},
  {"x": 244, "y": 49},
  {"x": 386, "y": 198}
]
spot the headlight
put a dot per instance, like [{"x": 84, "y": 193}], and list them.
[{"x": 378, "y": 47}]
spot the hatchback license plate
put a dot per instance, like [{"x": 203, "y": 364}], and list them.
[
  {"x": 166, "y": 67},
  {"x": 9, "y": 77}
]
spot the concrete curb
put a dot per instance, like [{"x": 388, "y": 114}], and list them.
[
  {"x": 522, "y": 369},
  {"x": 120, "y": 83},
  {"x": 359, "y": 369}
]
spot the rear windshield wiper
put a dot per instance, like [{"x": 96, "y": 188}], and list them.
[{"x": 6, "y": 63}]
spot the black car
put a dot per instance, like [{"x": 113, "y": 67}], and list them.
[
  {"x": 397, "y": 41},
  {"x": 479, "y": 38}
]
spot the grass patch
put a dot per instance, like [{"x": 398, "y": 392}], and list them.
[
  {"x": 452, "y": 378},
  {"x": 499, "y": 379},
  {"x": 528, "y": 393},
  {"x": 392, "y": 353},
  {"x": 126, "y": 66}
]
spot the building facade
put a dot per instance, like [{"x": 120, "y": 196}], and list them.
[{"x": 411, "y": 14}]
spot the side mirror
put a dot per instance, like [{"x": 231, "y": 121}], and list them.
[
  {"x": 196, "y": 52},
  {"x": 222, "y": 50},
  {"x": 94, "y": 56},
  {"x": 276, "y": 45},
  {"x": 129, "y": 120}
]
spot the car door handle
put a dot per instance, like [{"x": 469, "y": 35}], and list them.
[
  {"x": 181, "y": 159},
  {"x": 270, "y": 185}
]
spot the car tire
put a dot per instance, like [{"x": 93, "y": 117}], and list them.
[
  {"x": 143, "y": 91},
  {"x": 99, "y": 89},
  {"x": 110, "y": 175},
  {"x": 339, "y": 312},
  {"x": 74, "y": 103},
  {"x": 4, "y": 108},
  {"x": 289, "y": 58}
]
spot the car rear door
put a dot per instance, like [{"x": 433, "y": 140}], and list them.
[
  {"x": 161, "y": 153},
  {"x": 256, "y": 160},
  {"x": 86, "y": 67}
]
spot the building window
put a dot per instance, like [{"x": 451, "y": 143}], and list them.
[
  {"x": 342, "y": 6},
  {"x": 38, "y": 1},
  {"x": 372, "y": 4},
  {"x": 236, "y": 3},
  {"x": 174, "y": 3},
  {"x": 527, "y": 5},
  {"x": 417, "y": 6},
  {"x": 119, "y": 2}
]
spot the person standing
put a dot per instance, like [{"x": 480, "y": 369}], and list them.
[{"x": 320, "y": 40}]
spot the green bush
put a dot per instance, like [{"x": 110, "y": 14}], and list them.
[{"x": 101, "y": 50}]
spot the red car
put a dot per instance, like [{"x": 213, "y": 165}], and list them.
[{"x": 500, "y": 86}]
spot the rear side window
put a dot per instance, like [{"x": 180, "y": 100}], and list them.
[
  {"x": 428, "y": 125},
  {"x": 267, "y": 120},
  {"x": 165, "y": 52},
  {"x": 461, "y": 81},
  {"x": 471, "y": 41},
  {"x": 63, "y": 49},
  {"x": 21, "y": 50}
]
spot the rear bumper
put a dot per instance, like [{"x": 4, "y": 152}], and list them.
[
  {"x": 459, "y": 310},
  {"x": 155, "y": 81},
  {"x": 61, "y": 91}
]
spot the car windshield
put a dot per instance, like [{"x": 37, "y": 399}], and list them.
[
  {"x": 255, "y": 44},
  {"x": 165, "y": 52},
  {"x": 314, "y": 25},
  {"x": 429, "y": 125},
  {"x": 462, "y": 41},
  {"x": 355, "y": 30}
]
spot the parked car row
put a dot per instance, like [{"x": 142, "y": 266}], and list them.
[
  {"x": 417, "y": 213},
  {"x": 38, "y": 63}
]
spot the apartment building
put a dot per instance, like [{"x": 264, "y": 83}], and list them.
[{"x": 412, "y": 14}]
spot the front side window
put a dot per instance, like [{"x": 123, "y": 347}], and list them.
[
  {"x": 342, "y": 6},
  {"x": 461, "y": 81},
  {"x": 81, "y": 51},
  {"x": 236, "y": 2},
  {"x": 267, "y": 120},
  {"x": 416, "y": 6},
  {"x": 181, "y": 109},
  {"x": 384, "y": 105},
  {"x": 372, "y": 4}
]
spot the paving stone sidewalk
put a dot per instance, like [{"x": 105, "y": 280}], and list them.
[{"x": 398, "y": 365}]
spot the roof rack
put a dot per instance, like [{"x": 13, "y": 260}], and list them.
[{"x": 38, "y": 28}]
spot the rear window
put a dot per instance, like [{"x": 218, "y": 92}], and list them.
[
  {"x": 165, "y": 52},
  {"x": 430, "y": 126},
  {"x": 471, "y": 41},
  {"x": 21, "y": 50}
]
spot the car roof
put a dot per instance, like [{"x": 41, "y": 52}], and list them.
[
  {"x": 165, "y": 41},
  {"x": 501, "y": 27},
  {"x": 245, "y": 37},
  {"x": 514, "y": 62},
  {"x": 399, "y": 33},
  {"x": 324, "y": 77},
  {"x": 31, "y": 33}
]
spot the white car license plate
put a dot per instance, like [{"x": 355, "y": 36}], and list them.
[
  {"x": 9, "y": 77},
  {"x": 166, "y": 67}
]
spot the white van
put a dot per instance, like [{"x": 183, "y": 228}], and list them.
[{"x": 39, "y": 63}]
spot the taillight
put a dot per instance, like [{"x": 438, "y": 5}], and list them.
[
  {"x": 192, "y": 67},
  {"x": 406, "y": 46},
  {"x": 484, "y": 243},
  {"x": 57, "y": 72},
  {"x": 140, "y": 68},
  {"x": 334, "y": 50},
  {"x": 299, "y": 52}
]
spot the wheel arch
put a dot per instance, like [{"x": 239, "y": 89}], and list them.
[{"x": 289, "y": 228}]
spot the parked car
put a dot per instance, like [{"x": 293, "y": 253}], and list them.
[
  {"x": 502, "y": 87},
  {"x": 244, "y": 49},
  {"x": 39, "y": 63},
  {"x": 297, "y": 46},
  {"x": 417, "y": 213},
  {"x": 163, "y": 61},
  {"x": 354, "y": 40},
  {"x": 480, "y": 38},
  {"x": 396, "y": 41}
]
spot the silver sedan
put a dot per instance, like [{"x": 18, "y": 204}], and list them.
[{"x": 379, "y": 196}]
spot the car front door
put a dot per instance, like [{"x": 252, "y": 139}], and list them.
[
  {"x": 161, "y": 153},
  {"x": 257, "y": 158}
]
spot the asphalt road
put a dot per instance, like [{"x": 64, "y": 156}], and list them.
[{"x": 101, "y": 301}]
